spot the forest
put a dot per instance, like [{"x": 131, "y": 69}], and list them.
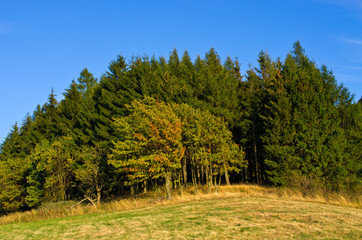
[{"x": 154, "y": 122}]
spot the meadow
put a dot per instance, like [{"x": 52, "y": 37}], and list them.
[{"x": 237, "y": 212}]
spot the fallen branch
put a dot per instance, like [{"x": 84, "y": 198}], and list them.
[{"x": 86, "y": 198}]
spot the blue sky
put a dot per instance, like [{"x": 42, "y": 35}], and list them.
[{"x": 45, "y": 44}]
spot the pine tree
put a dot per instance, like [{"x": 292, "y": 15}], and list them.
[
  {"x": 70, "y": 108},
  {"x": 86, "y": 117},
  {"x": 114, "y": 90},
  {"x": 86, "y": 83},
  {"x": 10, "y": 147},
  {"x": 254, "y": 98},
  {"x": 176, "y": 85},
  {"x": 47, "y": 121},
  {"x": 305, "y": 145},
  {"x": 187, "y": 73}
]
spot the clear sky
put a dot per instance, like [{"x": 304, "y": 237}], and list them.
[{"x": 45, "y": 44}]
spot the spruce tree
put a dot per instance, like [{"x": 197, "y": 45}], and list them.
[
  {"x": 83, "y": 125},
  {"x": 114, "y": 90},
  {"x": 70, "y": 108}
]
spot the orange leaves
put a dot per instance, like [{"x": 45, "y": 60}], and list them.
[
  {"x": 153, "y": 140},
  {"x": 139, "y": 136},
  {"x": 156, "y": 140}
]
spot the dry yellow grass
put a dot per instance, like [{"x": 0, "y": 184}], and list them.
[
  {"x": 157, "y": 198},
  {"x": 223, "y": 218}
]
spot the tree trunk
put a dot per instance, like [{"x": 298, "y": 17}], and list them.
[
  {"x": 194, "y": 180},
  {"x": 218, "y": 187},
  {"x": 180, "y": 185},
  {"x": 202, "y": 175},
  {"x": 209, "y": 178},
  {"x": 168, "y": 185},
  {"x": 184, "y": 170},
  {"x": 227, "y": 180},
  {"x": 98, "y": 195},
  {"x": 255, "y": 157},
  {"x": 144, "y": 186},
  {"x": 198, "y": 177}
]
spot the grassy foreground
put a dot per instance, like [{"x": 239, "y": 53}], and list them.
[
  {"x": 237, "y": 212},
  {"x": 228, "y": 218}
]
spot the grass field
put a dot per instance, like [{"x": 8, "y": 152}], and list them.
[{"x": 218, "y": 218}]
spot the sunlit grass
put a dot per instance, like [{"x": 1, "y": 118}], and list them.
[
  {"x": 214, "y": 218},
  {"x": 157, "y": 198}
]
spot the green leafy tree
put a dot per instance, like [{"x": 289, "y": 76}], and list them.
[
  {"x": 12, "y": 184},
  {"x": 92, "y": 173},
  {"x": 208, "y": 145},
  {"x": 52, "y": 171}
]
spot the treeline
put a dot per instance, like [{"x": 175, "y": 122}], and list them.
[{"x": 149, "y": 122}]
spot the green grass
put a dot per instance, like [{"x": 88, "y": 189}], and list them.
[{"x": 228, "y": 218}]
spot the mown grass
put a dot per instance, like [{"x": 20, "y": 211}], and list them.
[
  {"x": 157, "y": 198},
  {"x": 219, "y": 218}
]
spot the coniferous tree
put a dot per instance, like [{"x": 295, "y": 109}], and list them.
[
  {"x": 254, "y": 98},
  {"x": 188, "y": 75},
  {"x": 10, "y": 147},
  {"x": 47, "y": 121},
  {"x": 113, "y": 91},
  {"x": 70, "y": 109},
  {"x": 83, "y": 126},
  {"x": 86, "y": 83},
  {"x": 177, "y": 85}
]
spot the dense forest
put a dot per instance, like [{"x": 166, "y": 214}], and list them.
[{"x": 150, "y": 122}]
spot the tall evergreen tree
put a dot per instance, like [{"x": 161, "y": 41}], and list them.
[
  {"x": 10, "y": 147},
  {"x": 83, "y": 125},
  {"x": 86, "y": 83},
  {"x": 70, "y": 108},
  {"x": 113, "y": 91}
]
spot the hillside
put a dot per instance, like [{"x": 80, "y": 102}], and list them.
[
  {"x": 247, "y": 213},
  {"x": 242, "y": 218}
]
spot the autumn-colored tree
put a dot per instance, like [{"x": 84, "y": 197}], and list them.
[{"x": 150, "y": 142}]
